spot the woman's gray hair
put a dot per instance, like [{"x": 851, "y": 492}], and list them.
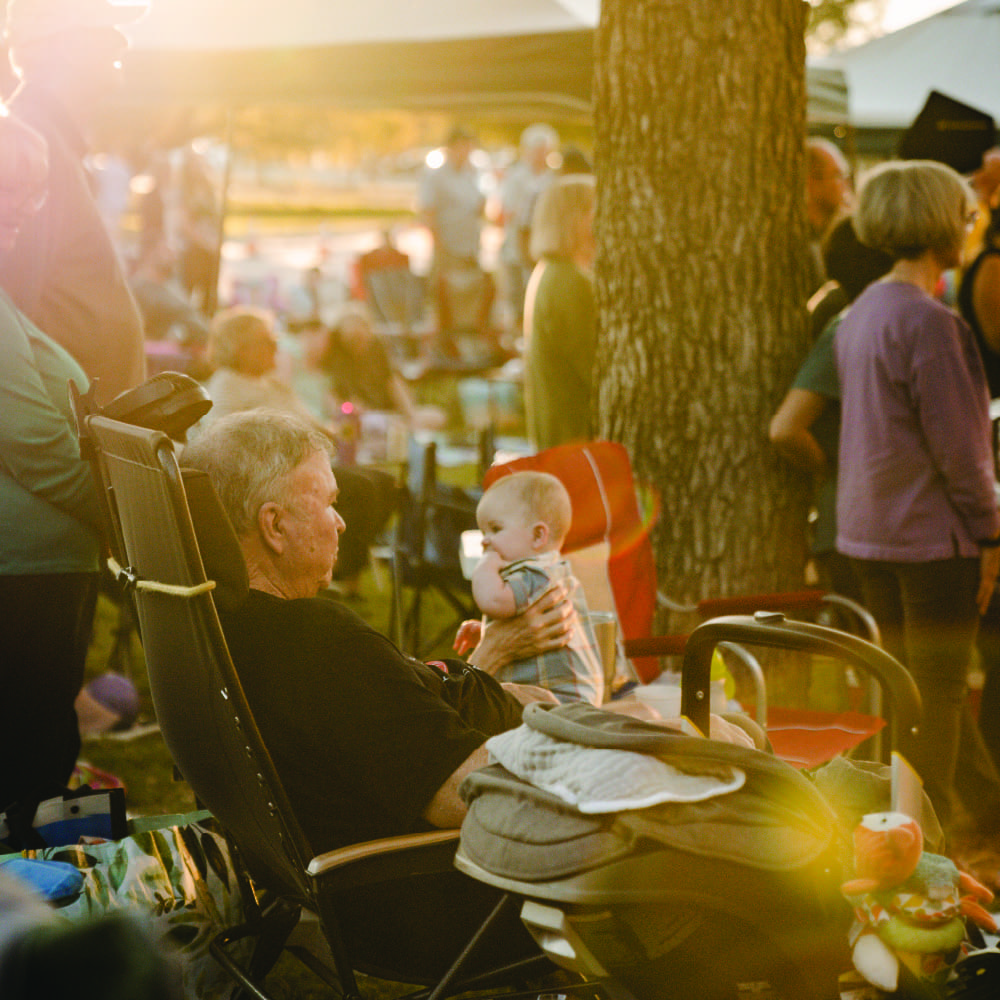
[
  {"x": 559, "y": 213},
  {"x": 906, "y": 207},
  {"x": 232, "y": 329},
  {"x": 248, "y": 456}
]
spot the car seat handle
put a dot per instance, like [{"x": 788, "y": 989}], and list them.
[{"x": 766, "y": 628}]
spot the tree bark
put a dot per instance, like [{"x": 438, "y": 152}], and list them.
[{"x": 701, "y": 277}]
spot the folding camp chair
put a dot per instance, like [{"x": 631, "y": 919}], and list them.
[
  {"x": 171, "y": 402},
  {"x": 611, "y": 552},
  {"x": 425, "y": 551},
  {"x": 208, "y": 725},
  {"x": 398, "y": 300}
]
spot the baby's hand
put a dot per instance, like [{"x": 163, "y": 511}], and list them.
[{"x": 469, "y": 633}]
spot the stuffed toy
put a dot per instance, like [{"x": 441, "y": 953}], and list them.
[{"x": 909, "y": 905}]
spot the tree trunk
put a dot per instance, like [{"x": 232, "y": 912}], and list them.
[{"x": 701, "y": 277}]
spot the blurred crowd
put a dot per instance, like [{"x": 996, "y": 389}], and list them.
[{"x": 889, "y": 412}]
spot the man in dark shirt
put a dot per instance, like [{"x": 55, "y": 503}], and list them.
[{"x": 368, "y": 742}]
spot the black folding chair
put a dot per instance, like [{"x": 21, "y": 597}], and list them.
[
  {"x": 398, "y": 300},
  {"x": 425, "y": 552},
  {"x": 209, "y": 727}
]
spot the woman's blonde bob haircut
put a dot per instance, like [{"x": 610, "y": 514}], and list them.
[
  {"x": 906, "y": 207},
  {"x": 562, "y": 209}
]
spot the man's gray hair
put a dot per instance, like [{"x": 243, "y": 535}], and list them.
[{"x": 248, "y": 456}]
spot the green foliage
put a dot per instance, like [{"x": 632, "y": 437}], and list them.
[{"x": 830, "y": 20}]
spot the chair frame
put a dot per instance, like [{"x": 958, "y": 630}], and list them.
[
  {"x": 211, "y": 733},
  {"x": 411, "y": 569}
]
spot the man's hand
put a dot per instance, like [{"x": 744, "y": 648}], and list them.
[{"x": 545, "y": 624}]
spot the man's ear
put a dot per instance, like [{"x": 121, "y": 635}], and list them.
[
  {"x": 540, "y": 536},
  {"x": 270, "y": 527}
]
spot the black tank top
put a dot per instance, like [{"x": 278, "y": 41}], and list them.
[{"x": 991, "y": 359}]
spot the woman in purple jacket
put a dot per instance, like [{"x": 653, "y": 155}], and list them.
[{"x": 916, "y": 506}]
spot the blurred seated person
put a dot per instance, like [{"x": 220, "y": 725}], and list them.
[
  {"x": 168, "y": 315},
  {"x": 244, "y": 346},
  {"x": 361, "y": 373},
  {"x": 368, "y": 742}
]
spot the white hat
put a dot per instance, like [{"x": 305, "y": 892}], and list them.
[{"x": 32, "y": 20}]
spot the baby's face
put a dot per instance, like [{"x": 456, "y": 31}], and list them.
[{"x": 507, "y": 528}]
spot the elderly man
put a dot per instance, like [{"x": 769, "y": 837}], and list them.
[
  {"x": 369, "y": 742},
  {"x": 65, "y": 274}
]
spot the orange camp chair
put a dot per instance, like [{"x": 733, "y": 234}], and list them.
[{"x": 613, "y": 557}]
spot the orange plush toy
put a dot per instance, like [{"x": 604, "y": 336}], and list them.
[{"x": 908, "y": 905}]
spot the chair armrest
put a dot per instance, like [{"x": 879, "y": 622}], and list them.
[
  {"x": 655, "y": 645},
  {"x": 787, "y": 602},
  {"x": 386, "y": 859}
]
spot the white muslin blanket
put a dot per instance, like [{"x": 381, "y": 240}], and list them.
[{"x": 595, "y": 780}]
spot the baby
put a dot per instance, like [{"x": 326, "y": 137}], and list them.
[{"x": 524, "y": 518}]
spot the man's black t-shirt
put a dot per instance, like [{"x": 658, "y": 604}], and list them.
[{"x": 361, "y": 735}]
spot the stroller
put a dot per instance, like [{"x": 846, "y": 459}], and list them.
[{"x": 735, "y": 895}]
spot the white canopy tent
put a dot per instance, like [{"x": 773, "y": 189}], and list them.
[
  {"x": 956, "y": 51},
  {"x": 460, "y": 55}
]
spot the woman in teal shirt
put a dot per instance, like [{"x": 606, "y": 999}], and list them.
[{"x": 49, "y": 540}]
